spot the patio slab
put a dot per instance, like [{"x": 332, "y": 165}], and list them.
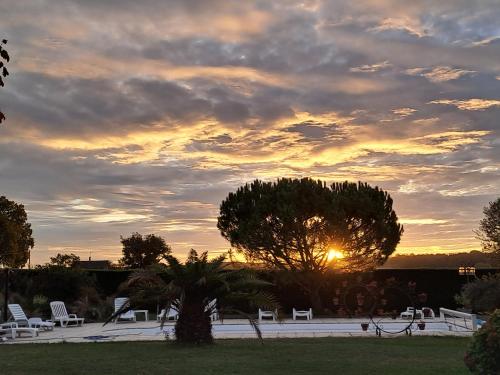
[{"x": 239, "y": 328}]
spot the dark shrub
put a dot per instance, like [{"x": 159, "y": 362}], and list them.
[
  {"x": 59, "y": 283},
  {"x": 482, "y": 295},
  {"x": 483, "y": 354}
]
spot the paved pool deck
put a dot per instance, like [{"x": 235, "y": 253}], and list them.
[{"x": 239, "y": 328}]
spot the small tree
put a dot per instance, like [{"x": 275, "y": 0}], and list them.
[
  {"x": 190, "y": 288},
  {"x": 141, "y": 252},
  {"x": 15, "y": 234},
  {"x": 293, "y": 225},
  {"x": 65, "y": 260},
  {"x": 482, "y": 295},
  {"x": 4, "y": 58},
  {"x": 489, "y": 228}
]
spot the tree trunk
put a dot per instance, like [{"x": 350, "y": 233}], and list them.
[{"x": 194, "y": 325}]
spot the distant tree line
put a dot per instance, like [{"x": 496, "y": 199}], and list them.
[{"x": 478, "y": 259}]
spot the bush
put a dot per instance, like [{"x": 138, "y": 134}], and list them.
[
  {"x": 483, "y": 354},
  {"x": 59, "y": 283},
  {"x": 482, "y": 295}
]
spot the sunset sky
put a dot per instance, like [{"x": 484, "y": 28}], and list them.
[{"x": 128, "y": 116}]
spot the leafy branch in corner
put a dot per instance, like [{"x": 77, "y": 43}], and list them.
[{"x": 4, "y": 58}]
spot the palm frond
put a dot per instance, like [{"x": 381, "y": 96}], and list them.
[
  {"x": 253, "y": 322},
  {"x": 125, "y": 307}
]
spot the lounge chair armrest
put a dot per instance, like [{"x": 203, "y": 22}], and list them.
[
  {"x": 9, "y": 325},
  {"x": 72, "y": 316}
]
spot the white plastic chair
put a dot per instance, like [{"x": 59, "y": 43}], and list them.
[
  {"x": 60, "y": 315},
  {"x": 267, "y": 314},
  {"x": 18, "y": 316},
  {"x": 129, "y": 315},
  {"x": 308, "y": 314},
  {"x": 212, "y": 308}
]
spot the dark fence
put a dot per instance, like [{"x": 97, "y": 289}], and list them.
[{"x": 342, "y": 294}]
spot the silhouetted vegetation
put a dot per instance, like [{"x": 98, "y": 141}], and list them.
[
  {"x": 476, "y": 259},
  {"x": 190, "y": 287},
  {"x": 15, "y": 234},
  {"x": 65, "y": 260},
  {"x": 489, "y": 228},
  {"x": 4, "y": 59},
  {"x": 483, "y": 354},
  {"x": 293, "y": 224},
  {"x": 141, "y": 252},
  {"x": 482, "y": 295}
]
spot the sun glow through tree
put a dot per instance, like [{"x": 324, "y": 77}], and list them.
[{"x": 334, "y": 254}]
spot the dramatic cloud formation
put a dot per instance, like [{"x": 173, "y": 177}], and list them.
[{"x": 141, "y": 116}]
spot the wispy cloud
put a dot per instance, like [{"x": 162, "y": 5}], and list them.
[
  {"x": 469, "y": 104},
  {"x": 372, "y": 68},
  {"x": 422, "y": 221},
  {"x": 440, "y": 73}
]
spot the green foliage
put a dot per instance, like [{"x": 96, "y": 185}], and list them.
[
  {"x": 416, "y": 355},
  {"x": 65, "y": 260},
  {"x": 141, "y": 252},
  {"x": 482, "y": 295},
  {"x": 34, "y": 289},
  {"x": 15, "y": 234},
  {"x": 58, "y": 283},
  {"x": 489, "y": 228},
  {"x": 39, "y": 303},
  {"x": 92, "y": 306},
  {"x": 483, "y": 354}
]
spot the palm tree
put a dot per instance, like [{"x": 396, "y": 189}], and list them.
[{"x": 190, "y": 288}]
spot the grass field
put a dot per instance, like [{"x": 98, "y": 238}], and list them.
[{"x": 405, "y": 355}]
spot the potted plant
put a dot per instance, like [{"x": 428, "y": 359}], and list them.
[
  {"x": 364, "y": 326},
  {"x": 421, "y": 325}
]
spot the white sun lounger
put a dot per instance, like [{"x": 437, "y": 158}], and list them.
[
  {"x": 212, "y": 308},
  {"x": 129, "y": 315},
  {"x": 21, "y": 319},
  {"x": 60, "y": 315},
  {"x": 16, "y": 331}
]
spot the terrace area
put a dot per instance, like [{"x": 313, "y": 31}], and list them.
[{"x": 241, "y": 329}]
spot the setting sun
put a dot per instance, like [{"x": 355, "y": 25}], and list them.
[{"x": 334, "y": 254}]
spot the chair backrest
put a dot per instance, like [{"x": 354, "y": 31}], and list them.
[
  {"x": 58, "y": 309},
  {"x": 211, "y": 305},
  {"x": 17, "y": 312},
  {"x": 119, "y": 302}
]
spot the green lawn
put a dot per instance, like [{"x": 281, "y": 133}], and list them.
[{"x": 404, "y": 355}]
